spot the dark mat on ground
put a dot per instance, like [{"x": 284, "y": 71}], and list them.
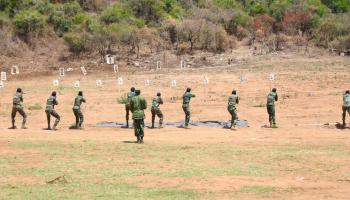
[
  {"x": 208, "y": 124},
  {"x": 336, "y": 125}
]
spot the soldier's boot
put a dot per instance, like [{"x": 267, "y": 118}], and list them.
[
  {"x": 55, "y": 124},
  {"x": 138, "y": 139},
  {"x": 24, "y": 123},
  {"x": 127, "y": 124},
  {"x": 161, "y": 123},
  {"x": 13, "y": 124},
  {"x": 141, "y": 140},
  {"x": 343, "y": 117}
]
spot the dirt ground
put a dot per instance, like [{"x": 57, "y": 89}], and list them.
[{"x": 302, "y": 159}]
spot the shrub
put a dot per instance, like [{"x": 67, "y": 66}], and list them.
[
  {"x": 258, "y": 9},
  {"x": 29, "y": 23},
  {"x": 338, "y": 6},
  {"x": 264, "y": 24},
  {"x": 71, "y": 8},
  {"x": 116, "y": 14},
  {"x": 122, "y": 99},
  {"x": 228, "y": 4},
  {"x": 77, "y": 42},
  {"x": 295, "y": 21},
  {"x": 36, "y": 106}
]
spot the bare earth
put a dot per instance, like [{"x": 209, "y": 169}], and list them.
[{"x": 302, "y": 159}]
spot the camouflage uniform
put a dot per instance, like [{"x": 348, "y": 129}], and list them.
[
  {"x": 50, "y": 105},
  {"x": 232, "y": 108},
  {"x": 346, "y": 106},
  {"x": 186, "y": 106},
  {"x": 156, "y": 111},
  {"x": 18, "y": 107},
  {"x": 137, "y": 105},
  {"x": 127, "y": 106},
  {"x": 270, "y": 105},
  {"x": 79, "y": 117}
]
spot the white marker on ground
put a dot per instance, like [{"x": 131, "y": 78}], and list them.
[
  {"x": 99, "y": 83},
  {"x": 55, "y": 83},
  {"x": 77, "y": 84},
  {"x": 14, "y": 70},
  {"x": 3, "y": 76}
]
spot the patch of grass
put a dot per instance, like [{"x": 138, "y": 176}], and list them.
[
  {"x": 36, "y": 106},
  {"x": 123, "y": 99},
  {"x": 258, "y": 189}
]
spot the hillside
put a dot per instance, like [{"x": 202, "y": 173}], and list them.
[{"x": 48, "y": 33}]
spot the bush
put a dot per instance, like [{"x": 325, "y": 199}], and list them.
[
  {"x": 258, "y": 9},
  {"x": 77, "y": 42},
  {"x": 71, "y": 8},
  {"x": 227, "y": 4},
  {"x": 297, "y": 21},
  {"x": 116, "y": 14},
  {"x": 29, "y": 23},
  {"x": 60, "y": 22},
  {"x": 338, "y": 6}
]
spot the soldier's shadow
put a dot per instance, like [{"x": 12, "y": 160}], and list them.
[{"x": 129, "y": 142}]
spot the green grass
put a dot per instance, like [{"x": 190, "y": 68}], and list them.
[
  {"x": 105, "y": 170},
  {"x": 35, "y": 106}
]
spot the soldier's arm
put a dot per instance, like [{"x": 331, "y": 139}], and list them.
[
  {"x": 55, "y": 102},
  {"x": 144, "y": 104},
  {"x": 160, "y": 101},
  {"x": 21, "y": 98},
  {"x": 132, "y": 105},
  {"x": 237, "y": 100},
  {"x": 193, "y": 95},
  {"x": 276, "y": 97},
  {"x": 83, "y": 100}
]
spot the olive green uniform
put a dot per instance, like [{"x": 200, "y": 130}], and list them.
[
  {"x": 18, "y": 107},
  {"x": 50, "y": 105},
  {"x": 127, "y": 106},
  {"x": 155, "y": 110},
  {"x": 137, "y": 105},
  {"x": 186, "y": 106},
  {"x": 232, "y": 108},
  {"x": 79, "y": 117},
  {"x": 346, "y": 106},
  {"x": 270, "y": 105}
]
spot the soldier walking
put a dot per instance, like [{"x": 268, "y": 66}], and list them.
[
  {"x": 186, "y": 105},
  {"x": 79, "y": 117},
  {"x": 50, "y": 110},
  {"x": 270, "y": 105},
  {"x": 233, "y": 100},
  {"x": 346, "y": 105},
  {"x": 156, "y": 110},
  {"x": 18, "y": 107},
  {"x": 131, "y": 94},
  {"x": 137, "y": 105}
]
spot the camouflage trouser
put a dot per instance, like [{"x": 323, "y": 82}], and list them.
[
  {"x": 21, "y": 112},
  {"x": 186, "y": 109},
  {"x": 79, "y": 117},
  {"x": 158, "y": 112},
  {"x": 345, "y": 109},
  {"x": 54, "y": 114},
  {"x": 271, "y": 112},
  {"x": 138, "y": 127},
  {"x": 127, "y": 110},
  {"x": 234, "y": 116}
]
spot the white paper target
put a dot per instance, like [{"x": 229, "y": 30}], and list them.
[
  {"x": 110, "y": 59},
  {"x": 2, "y": 84},
  {"x": 159, "y": 66},
  {"x": 120, "y": 81},
  {"x": 70, "y": 69},
  {"x": 147, "y": 82},
  {"x": 99, "y": 83},
  {"x": 183, "y": 64},
  {"x": 206, "y": 81},
  {"x": 3, "y": 76},
  {"x": 272, "y": 77},
  {"x": 116, "y": 68},
  {"x": 14, "y": 70},
  {"x": 62, "y": 71},
  {"x": 173, "y": 83},
  {"x": 83, "y": 70},
  {"x": 77, "y": 84},
  {"x": 242, "y": 78},
  {"x": 55, "y": 83}
]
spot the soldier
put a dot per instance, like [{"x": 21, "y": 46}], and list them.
[
  {"x": 79, "y": 117},
  {"x": 186, "y": 105},
  {"x": 156, "y": 110},
  {"x": 131, "y": 94},
  {"x": 233, "y": 100},
  {"x": 137, "y": 105},
  {"x": 18, "y": 107},
  {"x": 346, "y": 105},
  {"x": 270, "y": 105},
  {"x": 50, "y": 110}
]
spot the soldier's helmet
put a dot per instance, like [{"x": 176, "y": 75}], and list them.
[
  {"x": 80, "y": 93},
  {"x": 188, "y": 90},
  {"x": 19, "y": 90},
  {"x": 347, "y": 92},
  {"x": 132, "y": 89},
  {"x": 53, "y": 93},
  {"x": 234, "y": 92},
  {"x": 159, "y": 94},
  {"x": 274, "y": 90}
]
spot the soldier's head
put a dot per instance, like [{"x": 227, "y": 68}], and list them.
[
  {"x": 188, "y": 90},
  {"x": 159, "y": 94},
  {"x": 347, "y": 92},
  {"x": 53, "y": 93},
  {"x": 137, "y": 92},
  {"x": 132, "y": 89},
  {"x": 80, "y": 93},
  {"x": 234, "y": 92},
  {"x": 274, "y": 90},
  {"x": 19, "y": 90}
]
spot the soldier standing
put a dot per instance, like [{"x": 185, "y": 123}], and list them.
[
  {"x": 18, "y": 107},
  {"x": 137, "y": 105},
  {"x": 233, "y": 100},
  {"x": 346, "y": 105},
  {"x": 131, "y": 94},
  {"x": 156, "y": 110},
  {"x": 79, "y": 117},
  {"x": 186, "y": 105},
  {"x": 270, "y": 105},
  {"x": 50, "y": 110}
]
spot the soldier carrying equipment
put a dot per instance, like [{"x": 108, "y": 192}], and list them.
[
  {"x": 79, "y": 117},
  {"x": 50, "y": 110},
  {"x": 137, "y": 105},
  {"x": 18, "y": 107},
  {"x": 270, "y": 105},
  {"x": 346, "y": 106},
  {"x": 155, "y": 110},
  {"x": 233, "y": 100},
  {"x": 186, "y": 105},
  {"x": 131, "y": 94}
]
